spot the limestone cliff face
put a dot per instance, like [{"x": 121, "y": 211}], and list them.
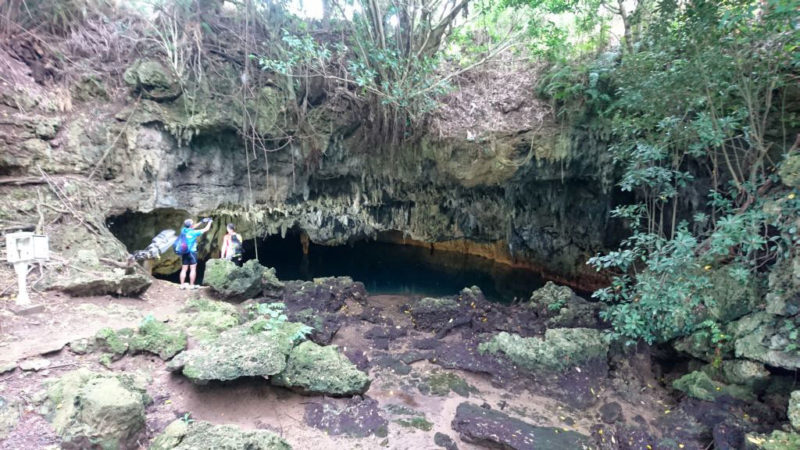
[{"x": 537, "y": 192}]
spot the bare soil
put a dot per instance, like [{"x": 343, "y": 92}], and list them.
[{"x": 253, "y": 403}]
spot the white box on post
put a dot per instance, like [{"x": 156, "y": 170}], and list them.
[{"x": 23, "y": 248}]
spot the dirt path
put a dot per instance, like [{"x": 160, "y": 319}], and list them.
[{"x": 68, "y": 318}]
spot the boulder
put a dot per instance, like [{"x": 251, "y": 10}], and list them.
[
  {"x": 190, "y": 434},
  {"x": 744, "y": 372},
  {"x": 152, "y": 80},
  {"x": 121, "y": 282},
  {"x": 434, "y": 313},
  {"x": 158, "y": 338},
  {"x": 794, "y": 410},
  {"x": 231, "y": 282},
  {"x": 699, "y": 385},
  {"x": 204, "y": 319},
  {"x": 97, "y": 410},
  {"x": 114, "y": 342},
  {"x": 767, "y": 338},
  {"x": 563, "y": 308},
  {"x": 560, "y": 350},
  {"x": 492, "y": 428},
  {"x": 312, "y": 368},
  {"x": 444, "y": 441},
  {"x": 355, "y": 417},
  {"x": 34, "y": 364},
  {"x": 783, "y": 295},
  {"x": 255, "y": 348}
]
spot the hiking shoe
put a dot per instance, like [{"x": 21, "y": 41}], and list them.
[
  {"x": 183, "y": 287},
  {"x": 194, "y": 286}
]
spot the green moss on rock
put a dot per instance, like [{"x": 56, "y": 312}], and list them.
[
  {"x": 243, "y": 351},
  {"x": 235, "y": 283},
  {"x": 152, "y": 80},
  {"x": 790, "y": 171},
  {"x": 204, "y": 319},
  {"x": 561, "y": 348},
  {"x": 96, "y": 410},
  {"x": 159, "y": 338},
  {"x": 180, "y": 435},
  {"x": 312, "y": 368},
  {"x": 699, "y": 385},
  {"x": 114, "y": 342}
]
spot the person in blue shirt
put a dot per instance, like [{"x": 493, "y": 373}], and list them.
[{"x": 189, "y": 259}]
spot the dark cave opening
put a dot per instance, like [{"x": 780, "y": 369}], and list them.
[
  {"x": 384, "y": 268},
  {"x": 387, "y": 268}
]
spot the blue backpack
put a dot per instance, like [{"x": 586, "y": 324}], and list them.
[{"x": 181, "y": 246}]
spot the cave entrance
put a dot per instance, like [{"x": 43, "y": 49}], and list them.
[
  {"x": 383, "y": 267},
  {"x": 389, "y": 268}
]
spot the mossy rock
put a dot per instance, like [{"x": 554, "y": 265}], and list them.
[
  {"x": 207, "y": 325},
  {"x": 115, "y": 342},
  {"x": 158, "y": 338},
  {"x": 767, "y": 338},
  {"x": 777, "y": 440},
  {"x": 312, "y": 368},
  {"x": 790, "y": 171},
  {"x": 560, "y": 350},
  {"x": 744, "y": 372},
  {"x": 441, "y": 383},
  {"x": 783, "y": 295},
  {"x": 152, "y": 80},
  {"x": 231, "y": 282},
  {"x": 248, "y": 350},
  {"x": 699, "y": 385},
  {"x": 732, "y": 297},
  {"x": 92, "y": 410},
  {"x": 562, "y": 308},
  {"x": 204, "y": 319},
  {"x": 191, "y": 435}
]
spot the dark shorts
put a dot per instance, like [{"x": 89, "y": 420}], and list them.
[{"x": 189, "y": 259}]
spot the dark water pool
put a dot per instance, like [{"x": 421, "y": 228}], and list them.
[{"x": 395, "y": 269}]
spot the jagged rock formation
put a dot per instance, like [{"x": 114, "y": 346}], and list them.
[
  {"x": 560, "y": 350},
  {"x": 94, "y": 410},
  {"x": 312, "y": 368},
  {"x": 84, "y": 157}
]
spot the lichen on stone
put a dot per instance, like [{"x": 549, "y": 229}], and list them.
[
  {"x": 159, "y": 338},
  {"x": 561, "y": 348},
  {"x": 235, "y": 283},
  {"x": 89, "y": 409},
  {"x": 243, "y": 351},
  {"x": 114, "y": 342},
  {"x": 699, "y": 385},
  {"x": 204, "y": 319},
  {"x": 312, "y": 368}
]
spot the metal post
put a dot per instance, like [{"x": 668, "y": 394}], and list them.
[{"x": 22, "y": 275}]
